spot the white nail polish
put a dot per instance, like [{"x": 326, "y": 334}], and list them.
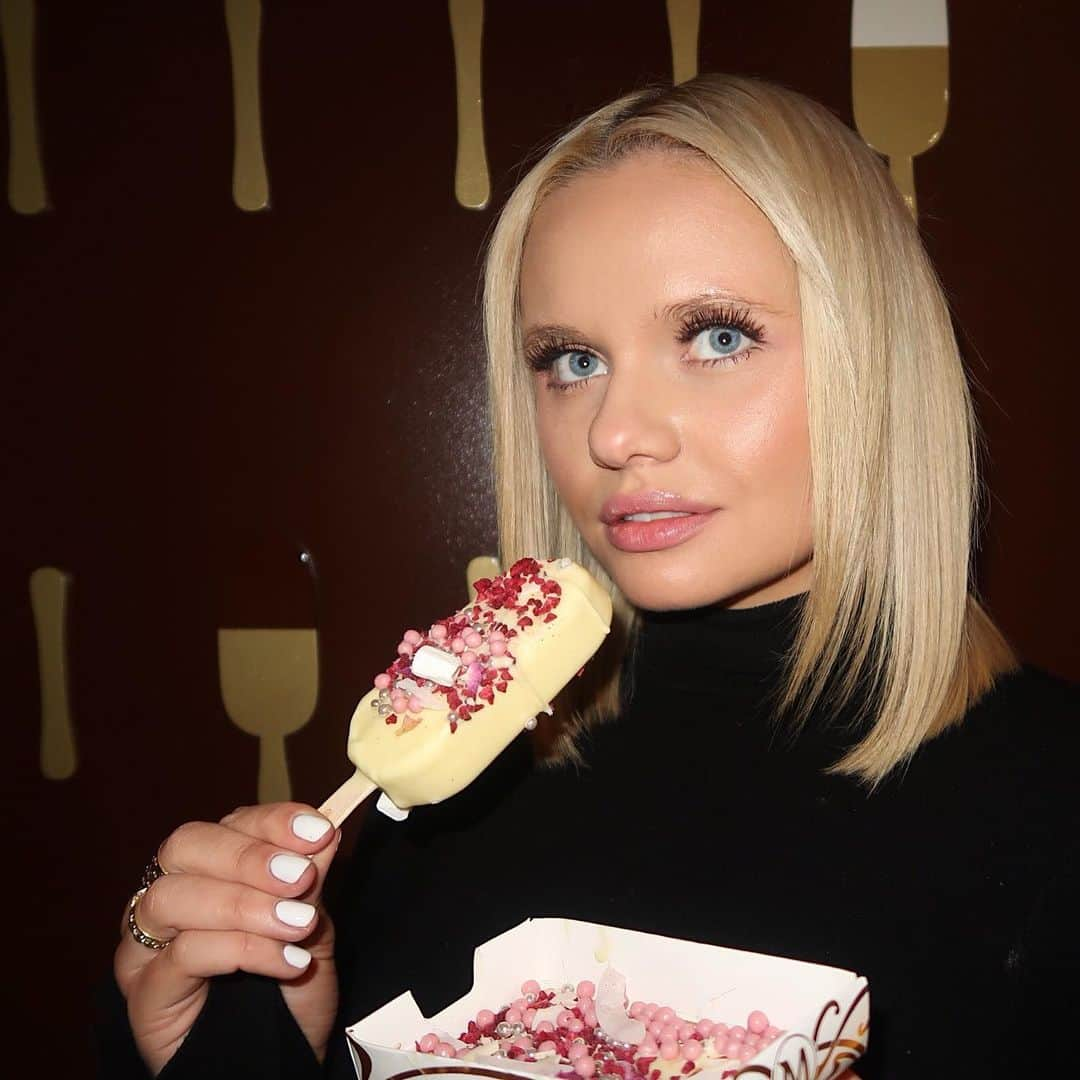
[
  {"x": 288, "y": 868},
  {"x": 309, "y": 827},
  {"x": 294, "y": 912},
  {"x": 296, "y": 957}
]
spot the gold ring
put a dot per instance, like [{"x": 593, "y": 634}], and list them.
[
  {"x": 137, "y": 931},
  {"x": 152, "y": 872}
]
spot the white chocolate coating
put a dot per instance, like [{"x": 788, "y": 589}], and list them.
[{"x": 427, "y": 760}]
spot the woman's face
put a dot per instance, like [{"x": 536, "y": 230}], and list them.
[{"x": 660, "y": 313}]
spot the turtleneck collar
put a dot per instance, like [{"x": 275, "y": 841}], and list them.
[{"x": 694, "y": 647}]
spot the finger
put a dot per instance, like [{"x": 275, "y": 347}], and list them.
[
  {"x": 292, "y": 825},
  {"x": 179, "y": 902},
  {"x": 195, "y": 955},
  {"x": 218, "y": 851}
]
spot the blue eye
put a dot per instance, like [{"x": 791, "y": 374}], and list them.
[
  {"x": 724, "y": 341},
  {"x": 570, "y": 367}
]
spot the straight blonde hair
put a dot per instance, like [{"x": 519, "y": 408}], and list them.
[{"x": 890, "y": 626}]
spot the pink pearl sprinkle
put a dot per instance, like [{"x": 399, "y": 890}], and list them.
[
  {"x": 382, "y": 681},
  {"x": 428, "y": 1043},
  {"x": 468, "y": 657},
  {"x": 547, "y": 1044},
  {"x": 457, "y": 645},
  {"x": 771, "y": 1032},
  {"x": 405, "y": 649},
  {"x": 399, "y": 704},
  {"x": 753, "y": 1040},
  {"x": 438, "y": 632},
  {"x": 691, "y": 1049},
  {"x": 586, "y": 989},
  {"x": 704, "y": 1028},
  {"x": 757, "y": 1022},
  {"x": 530, "y": 987},
  {"x": 589, "y": 1015},
  {"x": 719, "y": 1031},
  {"x": 737, "y": 1033},
  {"x": 444, "y": 1049},
  {"x": 484, "y": 1019},
  {"x": 636, "y": 1010},
  {"x": 412, "y": 637},
  {"x": 415, "y": 705},
  {"x": 513, "y": 1016},
  {"x": 564, "y": 1018},
  {"x": 544, "y": 1027},
  {"x": 665, "y": 1015},
  {"x": 669, "y": 1050},
  {"x": 670, "y": 1031},
  {"x": 747, "y": 1052},
  {"x": 496, "y": 635},
  {"x": 585, "y": 1066},
  {"x": 648, "y": 1048},
  {"x": 519, "y": 1003},
  {"x": 523, "y": 1041},
  {"x": 720, "y": 1044},
  {"x": 654, "y": 1028},
  {"x": 577, "y": 1050},
  {"x": 473, "y": 639},
  {"x": 498, "y": 648},
  {"x": 575, "y": 1026},
  {"x": 733, "y": 1047},
  {"x": 686, "y": 1030},
  {"x": 650, "y": 1010},
  {"x": 529, "y": 1018}
]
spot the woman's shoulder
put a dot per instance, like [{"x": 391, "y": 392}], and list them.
[{"x": 1022, "y": 735}]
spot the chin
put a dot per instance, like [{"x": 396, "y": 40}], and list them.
[{"x": 652, "y": 581}]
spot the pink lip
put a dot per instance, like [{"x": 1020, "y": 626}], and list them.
[{"x": 652, "y": 535}]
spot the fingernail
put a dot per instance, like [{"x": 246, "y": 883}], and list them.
[
  {"x": 296, "y": 957},
  {"x": 294, "y": 912},
  {"x": 310, "y": 827},
  {"x": 288, "y": 868}
]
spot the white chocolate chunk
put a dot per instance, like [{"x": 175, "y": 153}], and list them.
[{"x": 435, "y": 664}]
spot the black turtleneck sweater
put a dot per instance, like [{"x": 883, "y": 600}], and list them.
[{"x": 953, "y": 887}]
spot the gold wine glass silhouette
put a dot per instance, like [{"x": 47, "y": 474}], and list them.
[
  {"x": 269, "y": 686},
  {"x": 900, "y": 81}
]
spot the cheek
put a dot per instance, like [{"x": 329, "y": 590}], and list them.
[{"x": 763, "y": 445}]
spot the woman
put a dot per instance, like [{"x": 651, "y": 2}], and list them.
[{"x": 723, "y": 376}]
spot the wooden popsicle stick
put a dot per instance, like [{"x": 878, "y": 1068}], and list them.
[{"x": 347, "y": 798}]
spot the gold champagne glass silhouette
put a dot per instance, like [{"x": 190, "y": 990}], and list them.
[
  {"x": 269, "y": 686},
  {"x": 900, "y": 80}
]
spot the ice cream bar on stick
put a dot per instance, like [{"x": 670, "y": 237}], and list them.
[{"x": 459, "y": 692}]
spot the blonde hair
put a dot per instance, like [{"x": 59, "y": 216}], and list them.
[{"x": 890, "y": 625}]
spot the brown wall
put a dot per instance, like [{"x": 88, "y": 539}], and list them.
[{"x": 194, "y": 394}]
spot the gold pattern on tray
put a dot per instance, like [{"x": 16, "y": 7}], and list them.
[
  {"x": 900, "y": 81},
  {"x": 269, "y": 686},
  {"x": 48, "y": 601},
  {"x": 26, "y": 175},
  {"x": 251, "y": 187},
  {"x": 483, "y": 566},
  {"x": 684, "y": 24},
  {"x": 472, "y": 186}
]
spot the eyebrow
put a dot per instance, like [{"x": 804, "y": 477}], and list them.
[{"x": 678, "y": 310}]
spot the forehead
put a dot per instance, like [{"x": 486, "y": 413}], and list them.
[{"x": 647, "y": 231}]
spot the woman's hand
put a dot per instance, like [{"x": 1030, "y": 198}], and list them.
[{"x": 242, "y": 895}]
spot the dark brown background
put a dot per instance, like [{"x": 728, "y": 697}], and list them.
[{"x": 193, "y": 393}]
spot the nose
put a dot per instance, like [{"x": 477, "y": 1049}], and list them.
[{"x": 635, "y": 422}]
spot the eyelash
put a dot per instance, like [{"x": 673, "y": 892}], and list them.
[{"x": 541, "y": 356}]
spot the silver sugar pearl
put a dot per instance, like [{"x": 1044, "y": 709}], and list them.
[
  {"x": 530, "y": 997},
  {"x": 504, "y": 1030}
]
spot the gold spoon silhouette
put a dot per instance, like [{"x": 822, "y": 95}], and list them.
[
  {"x": 26, "y": 177},
  {"x": 900, "y": 81},
  {"x": 251, "y": 187},
  {"x": 472, "y": 186},
  {"x": 269, "y": 686}
]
